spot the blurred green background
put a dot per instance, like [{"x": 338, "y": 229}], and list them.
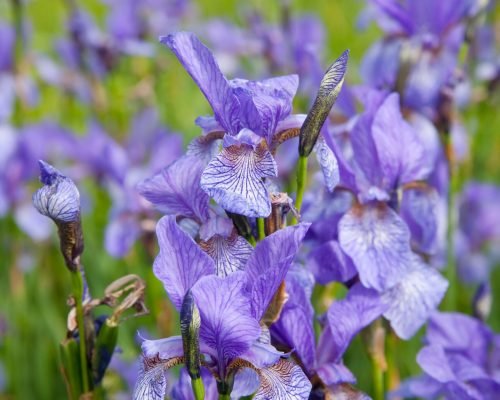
[{"x": 34, "y": 283}]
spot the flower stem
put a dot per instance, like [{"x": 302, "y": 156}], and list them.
[
  {"x": 378, "y": 381},
  {"x": 301, "y": 184},
  {"x": 260, "y": 228},
  {"x": 198, "y": 389},
  {"x": 77, "y": 282},
  {"x": 224, "y": 396}
]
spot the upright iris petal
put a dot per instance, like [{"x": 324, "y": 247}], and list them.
[
  {"x": 226, "y": 324},
  {"x": 181, "y": 262}
]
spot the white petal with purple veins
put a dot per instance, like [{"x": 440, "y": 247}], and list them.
[
  {"x": 413, "y": 300},
  {"x": 234, "y": 180},
  {"x": 378, "y": 242},
  {"x": 285, "y": 381}
]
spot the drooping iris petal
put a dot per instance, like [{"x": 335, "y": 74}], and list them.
[
  {"x": 226, "y": 323},
  {"x": 180, "y": 263},
  {"x": 230, "y": 253},
  {"x": 419, "y": 209},
  {"x": 328, "y": 163},
  {"x": 329, "y": 263},
  {"x": 348, "y": 316},
  {"x": 267, "y": 266},
  {"x": 234, "y": 180},
  {"x": 165, "y": 349},
  {"x": 378, "y": 242},
  {"x": 413, "y": 300},
  {"x": 201, "y": 65},
  {"x": 151, "y": 384},
  {"x": 284, "y": 380},
  {"x": 176, "y": 189},
  {"x": 59, "y": 198}
]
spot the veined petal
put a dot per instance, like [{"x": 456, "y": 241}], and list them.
[
  {"x": 284, "y": 380},
  {"x": 378, "y": 242},
  {"x": 199, "y": 62},
  {"x": 59, "y": 198},
  {"x": 152, "y": 382},
  {"x": 230, "y": 253},
  {"x": 234, "y": 180},
  {"x": 267, "y": 266},
  {"x": 176, "y": 189},
  {"x": 348, "y": 316},
  {"x": 328, "y": 163},
  {"x": 413, "y": 300},
  {"x": 226, "y": 322},
  {"x": 180, "y": 263}
]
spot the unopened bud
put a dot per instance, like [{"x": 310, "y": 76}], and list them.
[
  {"x": 59, "y": 200},
  {"x": 328, "y": 92}
]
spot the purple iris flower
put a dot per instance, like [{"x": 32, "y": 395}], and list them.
[
  {"x": 231, "y": 307},
  {"x": 344, "y": 319},
  {"x": 373, "y": 242},
  {"x": 247, "y": 114},
  {"x": 458, "y": 361}
]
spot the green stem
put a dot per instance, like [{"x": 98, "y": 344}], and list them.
[
  {"x": 77, "y": 282},
  {"x": 301, "y": 184},
  {"x": 224, "y": 396},
  {"x": 451, "y": 300},
  {"x": 252, "y": 240},
  {"x": 378, "y": 381},
  {"x": 198, "y": 389},
  {"x": 260, "y": 228}
]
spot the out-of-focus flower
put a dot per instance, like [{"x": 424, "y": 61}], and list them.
[
  {"x": 479, "y": 231},
  {"x": 457, "y": 360}
]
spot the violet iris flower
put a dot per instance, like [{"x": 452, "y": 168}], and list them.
[
  {"x": 373, "y": 240},
  {"x": 231, "y": 307},
  {"x": 459, "y": 361},
  {"x": 345, "y": 318},
  {"x": 248, "y": 115}
]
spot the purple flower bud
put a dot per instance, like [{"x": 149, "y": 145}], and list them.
[{"x": 59, "y": 198}]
